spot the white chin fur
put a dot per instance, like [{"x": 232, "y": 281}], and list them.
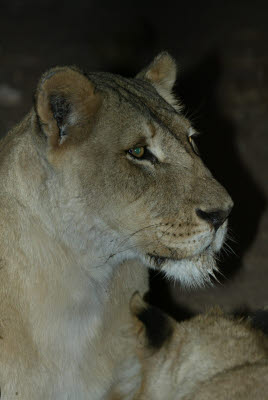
[{"x": 194, "y": 272}]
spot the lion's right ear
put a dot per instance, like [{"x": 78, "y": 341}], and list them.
[
  {"x": 65, "y": 98},
  {"x": 161, "y": 73}
]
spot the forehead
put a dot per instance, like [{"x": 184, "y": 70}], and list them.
[{"x": 137, "y": 99}]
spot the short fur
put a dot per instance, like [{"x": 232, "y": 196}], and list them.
[
  {"x": 208, "y": 357},
  {"x": 81, "y": 219}
]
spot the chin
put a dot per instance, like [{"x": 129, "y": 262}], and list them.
[{"x": 192, "y": 272}]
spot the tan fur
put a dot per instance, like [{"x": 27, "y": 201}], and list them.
[
  {"x": 78, "y": 218},
  {"x": 162, "y": 74},
  {"x": 211, "y": 356}
]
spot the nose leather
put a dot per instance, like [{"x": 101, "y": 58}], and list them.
[{"x": 215, "y": 217}]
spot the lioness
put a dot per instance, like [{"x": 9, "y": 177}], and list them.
[
  {"x": 99, "y": 181},
  {"x": 209, "y": 357}
]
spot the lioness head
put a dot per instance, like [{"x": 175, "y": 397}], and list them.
[{"x": 126, "y": 176}]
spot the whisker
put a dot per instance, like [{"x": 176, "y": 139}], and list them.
[
  {"x": 227, "y": 249},
  {"x": 122, "y": 251},
  {"x": 139, "y": 230},
  {"x": 231, "y": 236}
]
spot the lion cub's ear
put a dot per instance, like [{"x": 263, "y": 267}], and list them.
[
  {"x": 152, "y": 326},
  {"x": 162, "y": 73},
  {"x": 65, "y": 99}
]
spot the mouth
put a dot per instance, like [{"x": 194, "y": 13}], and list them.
[{"x": 159, "y": 261}]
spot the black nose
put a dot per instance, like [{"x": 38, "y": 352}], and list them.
[{"x": 216, "y": 217}]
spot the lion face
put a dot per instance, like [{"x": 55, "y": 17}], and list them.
[{"x": 128, "y": 156}]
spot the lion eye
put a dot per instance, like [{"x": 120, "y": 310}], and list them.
[
  {"x": 194, "y": 147},
  {"x": 142, "y": 153},
  {"x": 137, "y": 152}
]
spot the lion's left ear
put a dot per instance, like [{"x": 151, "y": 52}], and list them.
[{"x": 162, "y": 73}]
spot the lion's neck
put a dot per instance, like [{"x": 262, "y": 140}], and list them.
[
  {"x": 66, "y": 290},
  {"x": 66, "y": 285}
]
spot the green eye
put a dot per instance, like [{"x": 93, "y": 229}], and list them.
[{"x": 137, "y": 152}]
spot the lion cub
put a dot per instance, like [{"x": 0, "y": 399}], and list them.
[{"x": 210, "y": 356}]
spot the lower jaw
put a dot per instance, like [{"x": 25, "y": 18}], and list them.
[
  {"x": 159, "y": 261},
  {"x": 193, "y": 271}
]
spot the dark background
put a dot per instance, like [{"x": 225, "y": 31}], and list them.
[{"x": 222, "y": 51}]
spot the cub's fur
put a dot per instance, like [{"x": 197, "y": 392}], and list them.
[
  {"x": 208, "y": 357},
  {"x": 81, "y": 217}
]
